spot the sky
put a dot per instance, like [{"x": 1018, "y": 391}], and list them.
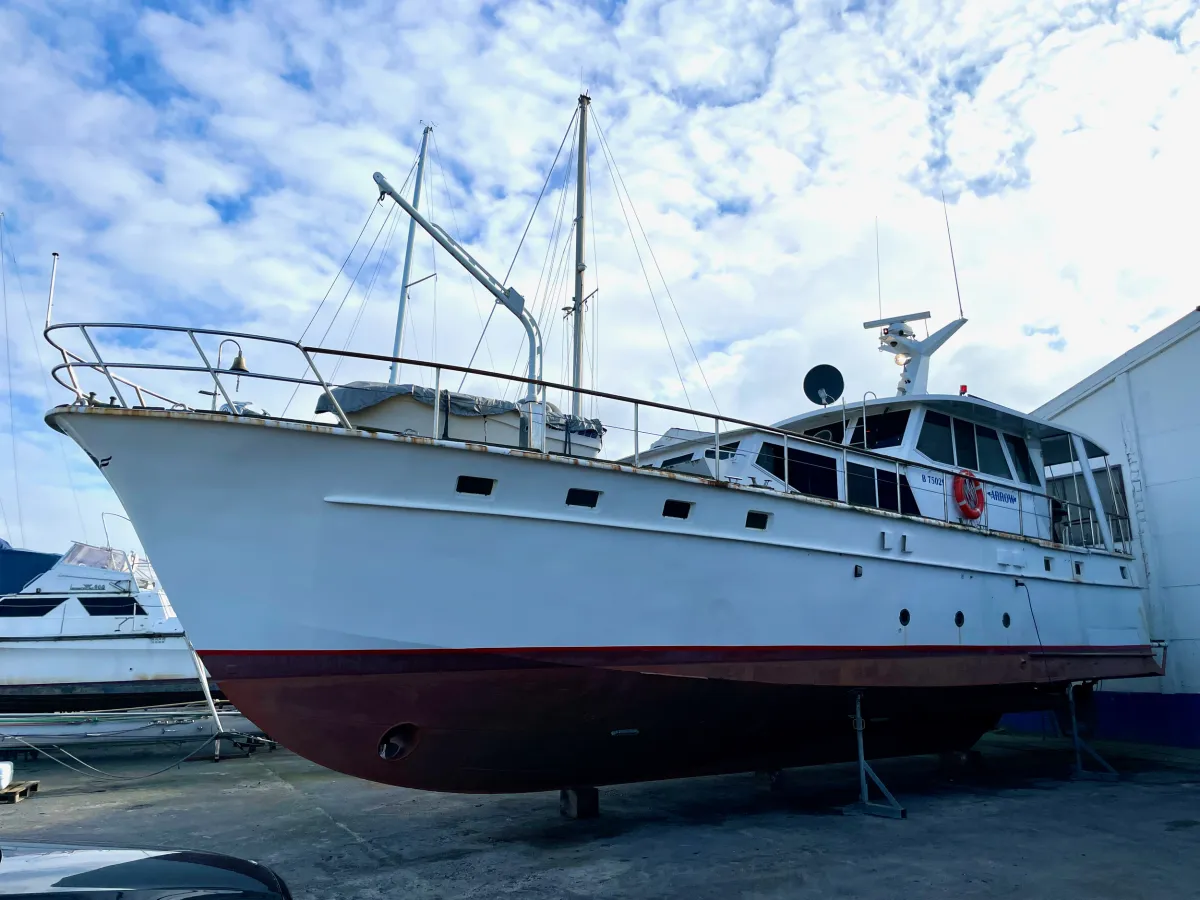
[{"x": 209, "y": 164}]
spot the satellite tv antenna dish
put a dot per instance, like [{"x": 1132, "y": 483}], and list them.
[{"x": 823, "y": 384}]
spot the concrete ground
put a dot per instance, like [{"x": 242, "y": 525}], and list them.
[{"x": 1017, "y": 829}]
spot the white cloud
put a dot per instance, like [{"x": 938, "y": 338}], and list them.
[{"x": 759, "y": 142}]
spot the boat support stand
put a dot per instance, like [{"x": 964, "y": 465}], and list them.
[
  {"x": 1084, "y": 751},
  {"x": 579, "y": 802},
  {"x": 892, "y": 808}
]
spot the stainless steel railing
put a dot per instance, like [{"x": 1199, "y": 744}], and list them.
[{"x": 1037, "y": 515}]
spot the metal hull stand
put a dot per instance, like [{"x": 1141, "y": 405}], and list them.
[
  {"x": 1084, "y": 750},
  {"x": 892, "y": 809},
  {"x": 579, "y": 802}
]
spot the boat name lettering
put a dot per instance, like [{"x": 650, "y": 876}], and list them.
[
  {"x": 1001, "y": 496},
  {"x": 90, "y": 587},
  {"x": 939, "y": 480}
]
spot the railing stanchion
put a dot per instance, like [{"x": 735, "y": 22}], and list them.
[
  {"x": 216, "y": 379},
  {"x": 341, "y": 413},
  {"x": 636, "y": 448},
  {"x": 787, "y": 483},
  {"x": 717, "y": 447},
  {"x": 898, "y": 503},
  {"x": 103, "y": 367},
  {"x": 437, "y": 400}
]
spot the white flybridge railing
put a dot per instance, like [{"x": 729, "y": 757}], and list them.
[{"x": 1037, "y": 516}]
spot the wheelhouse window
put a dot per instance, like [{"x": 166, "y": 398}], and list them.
[
  {"x": 808, "y": 473},
  {"x": 884, "y": 429},
  {"x": 935, "y": 441},
  {"x": 964, "y": 445},
  {"x": 1019, "y": 453},
  {"x": 991, "y": 454}
]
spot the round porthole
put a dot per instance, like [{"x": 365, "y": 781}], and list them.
[
  {"x": 959, "y": 619},
  {"x": 398, "y": 742},
  {"x": 904, "y": 617},
  {"x": 1006, "y": 619}
]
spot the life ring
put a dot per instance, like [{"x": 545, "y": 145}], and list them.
[{"x": 968, "y": 494}]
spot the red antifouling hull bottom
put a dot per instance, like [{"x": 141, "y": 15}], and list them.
[{"x": 523, "y": 720}]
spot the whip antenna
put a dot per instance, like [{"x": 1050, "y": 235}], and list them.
[{"x": 953, "y": 266}]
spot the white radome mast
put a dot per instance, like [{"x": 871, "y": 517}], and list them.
[{"x": 898, "y": 338}]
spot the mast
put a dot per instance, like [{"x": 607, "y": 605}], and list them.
[
  {"x": 412, "y": 232},
  {"x": 580, "y": 210}
]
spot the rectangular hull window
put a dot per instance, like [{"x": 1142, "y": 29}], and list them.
[
  {"x": 757, "y": 520},
  {"x": 677, "y": 509},
  {"x": 582, "y": 497},
  {"x": 469, "y": 484}
]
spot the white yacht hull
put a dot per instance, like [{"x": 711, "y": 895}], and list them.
[
  {"x": 73, "y": 675},
  {"x": 337, "y": 586}
]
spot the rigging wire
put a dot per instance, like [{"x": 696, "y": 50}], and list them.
[
  {"x": 470, "y": 281},
  {"x": 604, "y": 143},
  {"x": 546, "y": 276},
  {"x": 645, "y": 274},
  {"x": 317, "y": 311},
  {"x": 433, "y": 354},
  {"x": 596, "y": 291},
  {"x": 44, "y": 370},
  {"x": 12, "y": 425},
  {"x": 366, "y": 297},
  {"x": 953, "y": 264},
  {"x": 533, "y": 213},
  {"x": 366, "y": 256}
]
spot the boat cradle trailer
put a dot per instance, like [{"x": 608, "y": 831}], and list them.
[{"x": 579, "y": 801}]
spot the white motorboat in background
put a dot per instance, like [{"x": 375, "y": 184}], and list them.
[{"x": 93, "y": 631}]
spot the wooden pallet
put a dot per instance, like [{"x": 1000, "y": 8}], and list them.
[{"x": 18, "y": 791}]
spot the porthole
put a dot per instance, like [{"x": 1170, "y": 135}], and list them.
[
  {"x": 1047, "y": 562},
  {"x": 469, "y": 484},
  {"x": 677, "y": 509},
  {"x": 1006, "y": 620},
  {"x": 1124, "y": 572},
  {"x": 959, "y": 618},
  {"x": 583, "y": 497},
  {"x": 905, "y": 618},
  {"x": 1078, "y": 570}
]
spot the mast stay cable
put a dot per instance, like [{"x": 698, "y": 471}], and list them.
[
  {"x": 646, "y": 275},
  {"x": 529, "y": 223},
  {"x": 650, "y": 248}
]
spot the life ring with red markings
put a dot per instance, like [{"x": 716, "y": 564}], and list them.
[{"x": 968, "y": 495}]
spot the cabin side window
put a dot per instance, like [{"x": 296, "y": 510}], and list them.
[
  {"x": 808, "y": 473},
  {"x": 676, "y": 461},
  {"x": 1019, "y": 452},
  {"x": 878, "y": 488}
]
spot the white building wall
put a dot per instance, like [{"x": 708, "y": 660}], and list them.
[{"x": 1142, "y": 408}]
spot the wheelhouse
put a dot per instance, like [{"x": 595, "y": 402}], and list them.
[{"x": 912, "y": 455}]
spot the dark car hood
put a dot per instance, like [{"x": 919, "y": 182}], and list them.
[{"x": 63, "y": 870}]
